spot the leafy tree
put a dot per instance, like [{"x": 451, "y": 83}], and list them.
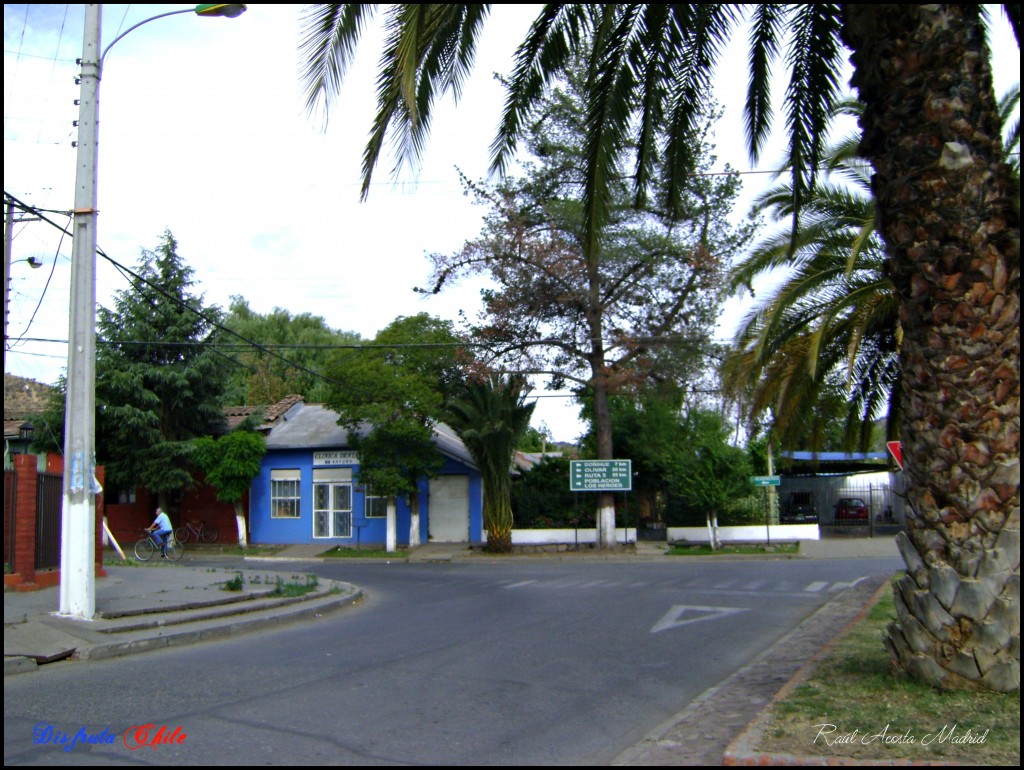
[
  {"x": 642, "y": 306},
  {"x": 389, "y": 395},
  {"x": 157, "y": 385},
  {"x": 535, "y": 439},
  {"x": 229, "y": 464},
  {"x": 491, "y": 417},
  {"x": 825, "y": 340},
  {"x": 947, "y": 208},
  {"x": 709, "y": 472},
  {"x": 298, "y": 347}
]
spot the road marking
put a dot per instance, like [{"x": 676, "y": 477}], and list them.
[
  {"x": 816, "y": 586},
  {"x": 696, "y": 613},
  {"x": 851, "y": 584},
  {"x": 520, "y": 584}
]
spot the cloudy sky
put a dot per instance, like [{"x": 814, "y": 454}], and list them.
[{"x": 203, "y": 131}]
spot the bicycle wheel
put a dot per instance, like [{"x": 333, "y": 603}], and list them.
[
  {"x": 174, "y": 550},
  {"x": 208, "y": 534},
  {"x": 144, "y": 549},
  {"x": 181, "y": 534}
]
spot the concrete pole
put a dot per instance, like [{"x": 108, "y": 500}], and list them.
[
  {"x": 8, "y": 236},
  {"x": 78, "y": 524}
]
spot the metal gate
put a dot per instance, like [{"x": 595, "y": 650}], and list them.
[{"x": 49, "y": 499}]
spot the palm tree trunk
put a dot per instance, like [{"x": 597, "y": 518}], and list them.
[{"x": 946, "y": 210}]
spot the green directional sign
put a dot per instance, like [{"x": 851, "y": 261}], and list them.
[
  {"x": 766, "y": 481},
  {"x": 600, "y": 475}
]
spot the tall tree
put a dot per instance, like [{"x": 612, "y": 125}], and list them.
[
  {"x": 948, "y": 210},
  {"x": 491, "y": 417},
  {"x": 294, "y": 350},
  {"x": 388, "y": 395},
  {"x": 157, "y": 385},
  {"x": 642, "y": 306}
]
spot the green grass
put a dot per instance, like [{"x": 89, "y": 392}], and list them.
[
  {"x": 237, "y": 550},
  {"x": 235, "y": 584},
  {"x": 706, "y": 550},
  {"x": 296, "y": 587},
  {"x": 344, "y": 552},
  {"x": 866, "y": 709}
]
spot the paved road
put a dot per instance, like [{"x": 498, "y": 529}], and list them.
[{"x": 522, "y": 663}]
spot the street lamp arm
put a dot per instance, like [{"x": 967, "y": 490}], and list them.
[{"x": 208, "y": 9}]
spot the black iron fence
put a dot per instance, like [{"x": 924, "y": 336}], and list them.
[
  {"x": 49, "y": 499},
  {"x": 10, "y": 511}
]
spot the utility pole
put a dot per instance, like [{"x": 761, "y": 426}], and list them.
[{"x": 78, "y": 523}]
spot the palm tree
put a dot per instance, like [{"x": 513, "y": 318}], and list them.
[
  {"x": 947, "y": 208},
  {"x": 490, "y": 419},
  {"x": 831, "y": 327}
]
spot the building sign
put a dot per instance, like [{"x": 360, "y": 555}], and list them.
[
  {"x": 600, "y": 475},
  {"x": 336, "y": 457}
]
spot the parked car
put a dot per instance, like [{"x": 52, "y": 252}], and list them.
[
  {"x": 800, "y": 509},
  {"x": 851, "y": 508}
]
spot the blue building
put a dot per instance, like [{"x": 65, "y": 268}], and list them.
[{"x": 308, "y": 490}]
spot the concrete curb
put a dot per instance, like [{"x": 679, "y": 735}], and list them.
[{"x": 100, "y": 645}]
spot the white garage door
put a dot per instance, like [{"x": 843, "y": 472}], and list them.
[{"x": 448, "y": 509}]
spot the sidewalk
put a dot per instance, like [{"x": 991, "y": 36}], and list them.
[{"x": 145, "y": 608}]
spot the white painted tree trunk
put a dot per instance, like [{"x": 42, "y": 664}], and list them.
[
  {"x": 606, "y": 527},
  {"x": 712, "y": 519},
  {"x": 392, "y": 535},
  {"x": 243, "y": 538}
]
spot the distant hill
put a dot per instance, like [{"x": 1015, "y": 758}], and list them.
[{"x": 24, "y": 397}]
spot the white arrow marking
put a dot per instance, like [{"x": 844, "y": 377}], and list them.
[{"x": 674, "y": 617}]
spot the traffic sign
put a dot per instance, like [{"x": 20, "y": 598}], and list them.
[
  {"x": 896, "y": 450},
  {"x": 600, "y": 475},
  {"x": 766, "y": 481}
]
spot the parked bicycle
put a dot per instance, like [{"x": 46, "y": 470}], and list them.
[
  {"x": 145, "y": 548},
  {"x": 198, "y": 532}
]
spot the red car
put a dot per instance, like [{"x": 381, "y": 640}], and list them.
[{"x": 851, "y": 508}]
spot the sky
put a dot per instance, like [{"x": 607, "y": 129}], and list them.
[{"x": 203, "y": 131}]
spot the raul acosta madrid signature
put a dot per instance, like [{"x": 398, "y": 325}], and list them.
[
  {"x": 830, "y": 735},
  {"x": 135, "y": 737}
]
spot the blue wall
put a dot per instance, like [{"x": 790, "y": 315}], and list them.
[{"x": 267, "y": 530}]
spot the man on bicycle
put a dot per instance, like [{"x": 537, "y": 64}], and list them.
[{"x": 161, "y": 528}]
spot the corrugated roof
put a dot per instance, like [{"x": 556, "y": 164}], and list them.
[{"x": 314, "y": 426}]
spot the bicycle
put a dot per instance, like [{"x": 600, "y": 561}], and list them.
[
  {"x": 145, "y": 548},
  {"x": 202, "y": 533}
]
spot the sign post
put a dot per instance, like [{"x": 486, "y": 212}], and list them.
[{"x": 766, "y": 482}]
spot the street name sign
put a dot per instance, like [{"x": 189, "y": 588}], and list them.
[
  {"x": 600, "y": 475},
  {"x": 766, "y": 481}
]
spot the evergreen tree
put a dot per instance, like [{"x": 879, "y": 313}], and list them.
[{"x": 157, "y": 386}]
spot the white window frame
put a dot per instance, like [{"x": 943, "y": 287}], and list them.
[
  {"x": 369, "y": 497},
  {"x": 337, "y": 483},
  {"x": 285, "y": 493}
]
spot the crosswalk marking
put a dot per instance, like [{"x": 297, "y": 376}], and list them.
[
  {"x": 729, "y": 586},
  {"x": 520, "y": 584}
]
